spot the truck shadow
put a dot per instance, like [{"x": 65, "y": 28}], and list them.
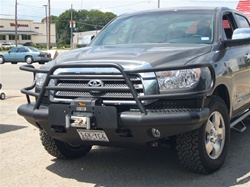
[
  {"x": 4, "y": 128},
  {"x": 154, "y": 167}
]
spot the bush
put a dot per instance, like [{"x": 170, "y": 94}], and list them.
[
  {"x": 41, "y": 47},
  {"x": 63, "y": 46},
  {"x": 78, "y": 45}
]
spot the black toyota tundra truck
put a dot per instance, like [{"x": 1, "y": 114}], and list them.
[{"x": 177, "y": 75}]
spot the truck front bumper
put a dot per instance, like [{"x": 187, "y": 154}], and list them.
[{"x": 131, "y": 127}]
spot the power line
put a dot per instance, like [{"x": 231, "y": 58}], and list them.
[
  {"x": 59, "y": 9},
  {"x": 6, "y": 5},
  {"x": 129, "y": 4},
  {"x": 21, "y": 15},
  {"x": 7, "y": 14},
  {"x": 38, "y": 7}
]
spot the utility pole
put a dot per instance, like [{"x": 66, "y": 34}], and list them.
[
  {"x": 47, "y": 42},
  {"x": 16, "y": 23},
  {"x": 49, "y": 23},
  {"x": 158, "y": 3},
  {"x": 71, "y": 28}
]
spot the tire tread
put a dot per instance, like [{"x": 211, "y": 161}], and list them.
[{"x": 189, "y": 146}]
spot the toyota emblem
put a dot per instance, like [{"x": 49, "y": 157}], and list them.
[{"x": 95, "y": 83}]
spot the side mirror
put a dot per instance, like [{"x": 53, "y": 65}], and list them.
[
  {"x": 241, "y": 33},
  {"x": 240, "y": 37}
]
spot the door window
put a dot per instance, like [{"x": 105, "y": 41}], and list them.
[
  {"x": 228, "y": 25},
  {"x": 22, "y": 50},
  {"x": 243, "y": 23},
  {"x": 13, "y": 50}
]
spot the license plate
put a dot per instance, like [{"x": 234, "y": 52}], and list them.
[{"x": 93, "y": 135}]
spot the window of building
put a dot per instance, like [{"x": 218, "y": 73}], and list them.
[
  {"x": 2, "y": 37},
  {"x": 12, "y": 37},
  {"x": 26, "y": 37}
]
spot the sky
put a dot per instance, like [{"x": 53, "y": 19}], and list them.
[{"x": 35, "y": 9}]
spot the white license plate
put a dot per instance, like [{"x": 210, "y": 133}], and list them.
[{"x": 93, "y": 135}]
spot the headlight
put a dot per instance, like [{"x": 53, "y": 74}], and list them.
[
  {"x": 40, "y": 78},
  {"x": 178, "y": 79}
]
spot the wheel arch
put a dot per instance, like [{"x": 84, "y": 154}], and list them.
[
  {"x": 223, "y": 93},
  {"x": 26, "y": 56}
]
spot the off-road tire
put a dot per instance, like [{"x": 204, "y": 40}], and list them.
[
  {"x": 197, "y": 149},
  {"x": 61, "y": 149}
]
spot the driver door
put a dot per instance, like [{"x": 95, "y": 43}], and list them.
[{"x": 11, "y": 56}]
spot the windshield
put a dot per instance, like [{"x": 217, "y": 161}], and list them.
[{"x": 159, "y": 27}]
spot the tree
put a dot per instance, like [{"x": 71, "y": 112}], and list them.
[
  {"x": 53, "y": 19},
  {"x": 85, "y": 21},
  {"x": 62, "y": 27}
]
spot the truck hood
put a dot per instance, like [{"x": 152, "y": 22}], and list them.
[{"x": 125, "y": 55}]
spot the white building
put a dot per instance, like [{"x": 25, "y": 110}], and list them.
[
  {"x": 83, "y": 38},
  {"x": 27, "y": 31}
]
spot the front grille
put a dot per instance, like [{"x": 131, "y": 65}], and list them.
[{"x": 112, "y": 82}]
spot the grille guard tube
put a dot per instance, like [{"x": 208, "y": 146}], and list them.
[
  {"x": 124, "y": 73},
  {"x": 195, "y": 117}
]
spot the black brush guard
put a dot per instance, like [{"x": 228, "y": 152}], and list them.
[
  {"x": 130, "y": 127},
  {"x": 125, "y": 74}
]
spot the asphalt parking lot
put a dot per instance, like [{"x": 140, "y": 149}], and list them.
[{"x": 24, "y": 162}]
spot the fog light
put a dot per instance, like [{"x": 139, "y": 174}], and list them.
[{"x": 156, "y": 133}]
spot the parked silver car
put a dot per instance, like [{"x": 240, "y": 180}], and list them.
[
  {"x": 6, "y": 45},
  {"x": 25, "y": 54}
]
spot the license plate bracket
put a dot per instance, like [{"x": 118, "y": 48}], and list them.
[
  {"x": 101, "y": 116},
  {"x": 92, "y": 135}
]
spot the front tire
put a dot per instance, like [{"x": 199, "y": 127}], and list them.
[
  {"x": 61, "y": 149},
  {"x": 2, "y": 60},
  {"x": 204, "y": 150}
]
